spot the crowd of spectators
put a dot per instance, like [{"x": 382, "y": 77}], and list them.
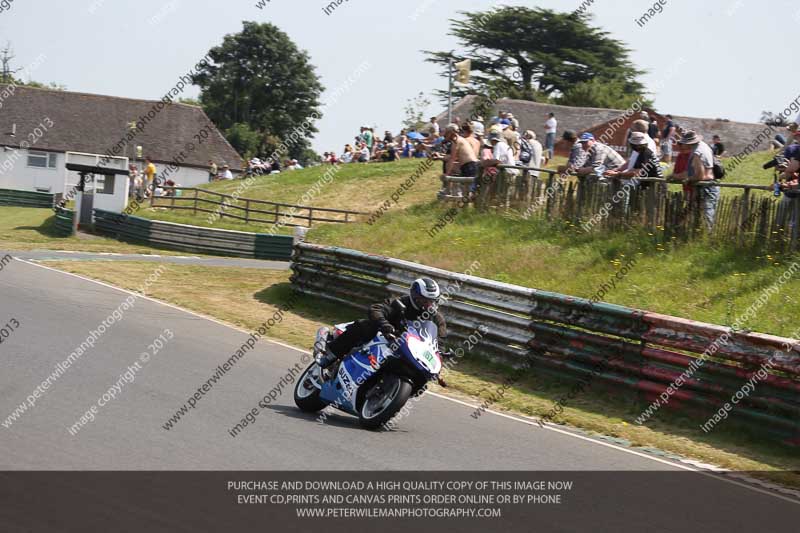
[
  {"x": 467, "y": 147},
  {"x": 473, "y": 147}
]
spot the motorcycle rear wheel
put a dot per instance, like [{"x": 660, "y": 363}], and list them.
[
  {"x": 384, "y": 400},
  {"x": 306, "y": 395}
]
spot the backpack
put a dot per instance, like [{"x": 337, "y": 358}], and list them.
[
  {"x": 718, "y": 169},
  {"x": 526, "y": 151}
]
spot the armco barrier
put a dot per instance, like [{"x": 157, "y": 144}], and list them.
[
  {"x": 11, "y": 197},
  {"x": 64, "y": 219},
  {"x": 193, "y": 239},
  {"x": 576, "y": 339}
]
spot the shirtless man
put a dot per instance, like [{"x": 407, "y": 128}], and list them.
[{"x": 463, "y": 154}]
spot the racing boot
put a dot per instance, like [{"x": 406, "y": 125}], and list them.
[{"x": 327, "y": 359}]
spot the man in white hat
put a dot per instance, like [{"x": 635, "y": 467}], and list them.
[
  {"x": 478, "y": 128},
  {"x": 645, "y": 163},
  {"x": 501, "y": 154},
  {"x": 701, "y": 168}
]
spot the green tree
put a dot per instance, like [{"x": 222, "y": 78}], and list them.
[
  {"x": 415, "y": 110},
  {"x": 189, "y": 101},
  {"x": 246, "y": 141},
  {"x": 260, "y": 78},
  {"x": 536, "y": 54},
  {"x": 610, "y": 94}
]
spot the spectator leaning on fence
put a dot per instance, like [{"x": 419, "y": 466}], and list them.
[
  {"x": 701, "y": 168},
  {"x": 643, "y": 163},
  {"x": 640, "y": 126},
  {"x": 577, "y": 155},
  {"x": 463, "y": 159},
  {"x": 790, "y": 187},
  {"x": 501, "y": 154},
  {"x": 599, "y": 158}
]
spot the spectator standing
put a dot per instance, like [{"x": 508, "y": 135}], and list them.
[
  {"x": 653, "y": 130},
  {"x": 531, "y": 151},
  {"x": 701, "y": 168},
  {"x": 150, "y": 172},
  {"x": 514, "y": 121},
  {"x": 133, "y": 174},
  {"x": 369, "y": 138},
  {"x": 599, "y": 158},
  {"x": 667, "y": 140},
  {"x": 469, "y": 135},
  {"x": 511, "y": 136},
  {"x": 478, "y": 128},
  {"x": 550, "y": 129},
  {"x": 717, "y": 147},
  {"x": 433, "y": 129},
  {"x": 212, "y": 170}
]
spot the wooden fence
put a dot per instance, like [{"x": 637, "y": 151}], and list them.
[
  {"x": 249, "y": 210},
  {"x": 749, "y": 215}
]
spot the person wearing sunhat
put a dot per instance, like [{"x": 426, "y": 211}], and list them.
[
  {"x": 646, "y": 164},
  {"x": 701, "y": 168},
  {"x": 599, "y": 157},
  {"x": 226, "y": 172},
  {"x": 501, "y": 153}
]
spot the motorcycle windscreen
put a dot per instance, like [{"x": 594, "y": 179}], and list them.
[{"x": 423, "y": 345}]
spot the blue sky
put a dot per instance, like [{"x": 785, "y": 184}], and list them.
[{"x": 717, "y": 59}]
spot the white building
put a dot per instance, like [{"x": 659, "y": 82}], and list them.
[{"x": 41, "y": 130}]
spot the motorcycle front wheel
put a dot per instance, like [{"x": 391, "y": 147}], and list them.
[
  {"x": 306, "y": 394},
  {"x": 383, "y": 400}
]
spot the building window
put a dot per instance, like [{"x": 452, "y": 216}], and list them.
[
  {"x": 104, "y": 185},
  {"x": 42, "y": 160}
]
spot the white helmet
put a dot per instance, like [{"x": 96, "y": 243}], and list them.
[{"x": 425, "y": 294}]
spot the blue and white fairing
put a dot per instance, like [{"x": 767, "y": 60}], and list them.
[{"x": 417, "y": 346}]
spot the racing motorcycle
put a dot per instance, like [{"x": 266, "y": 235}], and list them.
[{"x": 375, "y": 381}]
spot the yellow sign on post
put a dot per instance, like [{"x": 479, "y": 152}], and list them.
[{"x": 463, "y": 69}]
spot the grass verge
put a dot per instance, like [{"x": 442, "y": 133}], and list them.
[
  {"x": 245, "y": 298},
  {"x": 25, "y": 228}
]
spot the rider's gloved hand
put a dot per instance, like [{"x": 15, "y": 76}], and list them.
[{"x": 388, "y": 330}]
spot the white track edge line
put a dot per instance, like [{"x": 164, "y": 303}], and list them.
[{"x": 504, "y": 415}]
